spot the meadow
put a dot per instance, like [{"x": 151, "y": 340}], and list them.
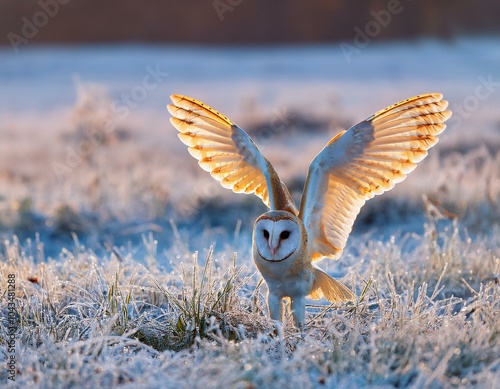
[{"x": 133, "y": 268}]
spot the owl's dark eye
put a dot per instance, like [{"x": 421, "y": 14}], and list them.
[
  {"x": 266, "y": 234},
  {"x": 284, "y": 235}
]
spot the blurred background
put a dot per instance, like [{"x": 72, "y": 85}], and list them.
[
  {"x": 246, "y": 22},
  {"x": 86, "y": 145}
]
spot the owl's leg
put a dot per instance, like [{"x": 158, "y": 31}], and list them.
[
  {"x": 275, "y": 306},
  {"x": 299, "y": 311}
]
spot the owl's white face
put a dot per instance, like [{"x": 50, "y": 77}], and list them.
[{"x": 276, "y": 237}]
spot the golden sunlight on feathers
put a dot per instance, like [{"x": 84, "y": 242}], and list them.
[
  {"x": 221, "y": 148},
  {"x": 367, "y": 160}
]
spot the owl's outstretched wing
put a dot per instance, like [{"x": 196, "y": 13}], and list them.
[
  {"x": 366, "y": 160},
  {"x": 227, "y": 152}
]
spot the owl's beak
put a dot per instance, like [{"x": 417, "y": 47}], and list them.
[
  {"x": 273, "y": 248},
  {"x": 273, "y": 244}
]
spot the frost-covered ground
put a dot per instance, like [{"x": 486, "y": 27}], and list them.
[{"x": 102, "y": 208}]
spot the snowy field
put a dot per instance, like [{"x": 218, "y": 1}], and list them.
[{"x": 107, "y": 221}]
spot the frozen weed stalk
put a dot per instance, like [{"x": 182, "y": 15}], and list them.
[{"x": 118, "y": 304}]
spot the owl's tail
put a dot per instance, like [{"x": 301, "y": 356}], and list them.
[{"x": 329, "y": 288}]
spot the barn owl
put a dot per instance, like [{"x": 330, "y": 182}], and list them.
[{"x": 365, "y": 160}]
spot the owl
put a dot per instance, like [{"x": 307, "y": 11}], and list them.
[{"x": 366, "y": 160}]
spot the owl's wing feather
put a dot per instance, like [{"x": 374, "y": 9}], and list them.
[
  {"x": 227, "y": 152},
  {"x": 366, "y": 160},
  {"x": 328, "y": 287}
]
